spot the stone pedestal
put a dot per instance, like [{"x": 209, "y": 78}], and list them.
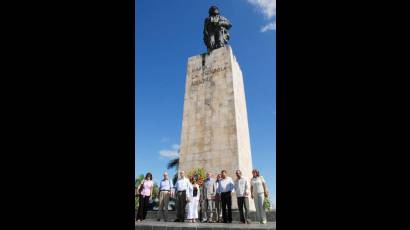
[{"x": 215, "y": 132}]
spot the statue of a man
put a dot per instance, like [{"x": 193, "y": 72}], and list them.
[{"x": 216, "y": 29}]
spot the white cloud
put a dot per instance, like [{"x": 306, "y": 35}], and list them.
[
  {"x": 266, "y": 7},
  {"x": 170, "y": 153},
  {"x": 270, "y": 26}
]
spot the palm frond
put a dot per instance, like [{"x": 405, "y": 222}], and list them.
[
  {"x": 174, "y": 163},
  {"x": 175, "y": 179}
]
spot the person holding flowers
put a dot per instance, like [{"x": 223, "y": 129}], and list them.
[
  {"x": 259, "y": 192},
  {"x": 193, "y": 200}
]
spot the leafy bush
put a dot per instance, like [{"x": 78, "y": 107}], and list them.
[{"x": 138, "y": 181}]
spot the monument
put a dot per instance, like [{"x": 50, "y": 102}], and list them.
[
  {"x": 216, "y": 29},
  {"x": 215, "y": 132}
]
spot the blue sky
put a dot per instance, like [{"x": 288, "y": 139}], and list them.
[{"x": 167, "y": 33}]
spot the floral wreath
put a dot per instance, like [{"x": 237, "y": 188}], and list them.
[{"x": 197, "y": 175}]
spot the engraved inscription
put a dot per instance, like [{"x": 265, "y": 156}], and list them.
[{"x": 198, "y": 78}]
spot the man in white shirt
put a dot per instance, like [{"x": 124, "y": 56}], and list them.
[
  {"x": 226, "y": 187},
  {"x": 242, "y": 194},
  {"x": 181, "y": 189}
]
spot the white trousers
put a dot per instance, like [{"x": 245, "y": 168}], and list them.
[{"x": 260, "y": 210}]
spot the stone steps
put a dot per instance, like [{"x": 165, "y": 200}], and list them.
[
  {"x": 155, "y": 225},
  {"x": 271, "y": 215}
]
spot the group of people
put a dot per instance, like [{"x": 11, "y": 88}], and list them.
[{"x": 213, "y": 197}]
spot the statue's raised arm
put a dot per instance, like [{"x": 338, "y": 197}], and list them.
[{"x": 216, "y": 29}]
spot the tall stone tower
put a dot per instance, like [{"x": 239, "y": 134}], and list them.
[{"x": 215, "y": 132}]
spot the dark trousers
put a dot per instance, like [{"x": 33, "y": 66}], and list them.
[
  {"x": 142, "y": 207},
  {"x": 226, "y": 199},
  {"x": 181, "y": 203},
  {"x": 243, "y": 203},
  {"x": 217, "y": 39}
]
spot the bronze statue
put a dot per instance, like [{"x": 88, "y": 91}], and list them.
[{"x": 216, "y": 29}]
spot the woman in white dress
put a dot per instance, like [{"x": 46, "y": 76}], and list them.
[{"x": 193, "y": 202}]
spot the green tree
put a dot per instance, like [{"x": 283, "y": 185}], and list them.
[
  {"x": 138, "y": 181},
  {"x": 154, "y": 195},
  {"x": 155, "y": 191}
]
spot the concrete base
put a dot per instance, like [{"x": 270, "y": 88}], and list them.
[
  {"x": 155, "y": 225},
  {"x": 271, "y": 216}
]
